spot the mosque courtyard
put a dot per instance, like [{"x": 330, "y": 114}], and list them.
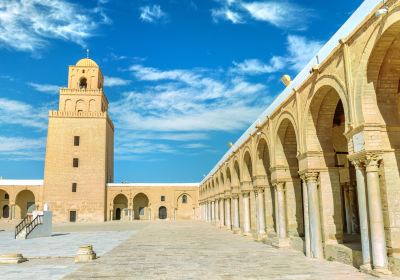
[{"x": 161, "y": 250}]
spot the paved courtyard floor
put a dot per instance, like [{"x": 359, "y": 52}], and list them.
[{"x": 163, "y": 250}]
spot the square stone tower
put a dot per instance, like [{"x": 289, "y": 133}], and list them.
[{"x": 80, "y": 148}]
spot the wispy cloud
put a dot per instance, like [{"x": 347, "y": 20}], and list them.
[
  {"x": 152, "y": 13},
  {"x": 299, "y": 51},
  {"x": 46, "y": 88},
  {"x": 196, "y": 100},
  {"x": 225, "y": 13},
  {"x": 115, "y": 81},
  {"x": 20, "y": 148},
  {"x": 281, "y": 14},
  {"x": 256, "y": 66},
  {"x": 28, "y": 25},
  {"x": 14, "y": 112},
  {"x": 195, "y": 146}
]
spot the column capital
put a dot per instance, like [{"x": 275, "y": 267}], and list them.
[
  {"x": 310, "y": 176},
  {"x": 279, "y": 185},
  {"x": 234, "y": 195},
  {"x": 259, "y": 190},
  {"x": 245, "y": 193},
  {"x": 372, "y": 162},
  {"x": 369, "y": 159}
]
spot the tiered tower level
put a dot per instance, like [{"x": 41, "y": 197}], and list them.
[{"x": 80, "y": 146}]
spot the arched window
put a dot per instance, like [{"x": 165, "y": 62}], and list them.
[
  {"x": 6, "y": 196},
  {"x": 82, "y": 83},
  {"x": 184, "y": 198}
]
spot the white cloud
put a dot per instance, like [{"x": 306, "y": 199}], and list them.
[
  {"x": 281, "y": 14},
  {"x": 226, "y": 14},
  {"x": 115, "y": 81},
  {"x": 256, "y": 66},
  {"x": 14, "y": 112},
  {"x": 19, "y": 148},
  {"x": 152, "y": 13},
  {"x": 28, "y": 25},
  {"x": 46, "y": 88},
  {"x": 299, "y": 49},
  {"x": 197, "y": 100},
  {"x": 195, "y": 146}
]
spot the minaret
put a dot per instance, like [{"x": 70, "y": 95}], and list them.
[{"x": 80, "y": 148}]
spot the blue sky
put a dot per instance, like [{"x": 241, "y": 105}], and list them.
[{"x": 183, "y": 77}]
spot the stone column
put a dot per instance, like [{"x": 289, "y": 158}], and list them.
[
  {"x": 378, "y": 242},
  {"x": 259, "y": 193},
  {"x": 306, "y": 218},
  {"x": 208, "y": 212},
  {"x": 221, "y": 212},
  {"x": 212, "y": 212},
  {"x": 346, "y": 197},
  {"x": 246, "y": 212},
  {"x": 216, "y": 205},
  {"x": 228, "y": 213},
  {"x": 175, "y": 214},
  {"x": 363, "y": 215},
  {"x": 280, "y": 195},
  {"x": 11, "y": 214},
  {"x": 353, "y": 210},
  {"x": 235, "y": 225},
  {"x": 314, "y": 215}
]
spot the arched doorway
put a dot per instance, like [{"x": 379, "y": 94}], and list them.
[
  {"x": 184, "y": 207},
  {"x": 337, "y": 188},
  {"x": 118, "y": 214},
  {"x": 4, "y": 204},
  {"x": 6, "y": 212},
  {"x": 141, "y": 207},
  {"x": 248, "y": 197},
  {"x": 120, "y": 203},
  {"x": 286, "y": 160},
  {"x": 263, "y": 174},
  {"x": 162, "y": 213},
  {"x": 326, "y": 126},
  {"x": 25, "y": 204}
]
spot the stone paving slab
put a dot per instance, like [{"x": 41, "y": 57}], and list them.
[
  {"x": 197, "y": 250},
  {"x": 62, "y": 244},
  {"x": 53, "y": 257}
]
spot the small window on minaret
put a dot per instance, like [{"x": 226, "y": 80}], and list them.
[
  {"x": 83, "y": 83},
  {"x": 75, "y": 162},
  {"x": 74, "y": 185},
  {"x": 76, "y": 140}
]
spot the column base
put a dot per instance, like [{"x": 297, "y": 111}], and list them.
[
  {"x": 236, "y": 230},
  {"x": 261, "y": 236},
  {"x": 380, "y": 271},
  {"x": 246, "y": 233},
  {"x": 280, "y": 243},
  {"x": 366, "y": 268}
]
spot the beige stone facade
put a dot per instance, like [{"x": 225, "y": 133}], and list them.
[
  {"x": 79, "y": 166},
  {"x": 320, "y": 171}
]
